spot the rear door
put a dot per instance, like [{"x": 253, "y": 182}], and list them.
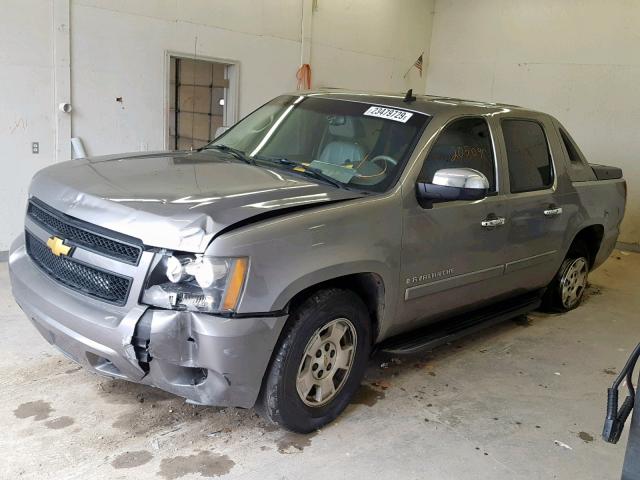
[
  {"x": 450, "y": 262},
  {"x": 538, "y": 216}
]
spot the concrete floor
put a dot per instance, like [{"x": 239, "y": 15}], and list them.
[{"x": 523, "y": 400}]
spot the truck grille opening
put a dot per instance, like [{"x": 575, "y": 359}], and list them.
[
  {"x": 77, "y": 276},
  {"x": 76, "y": 232}
]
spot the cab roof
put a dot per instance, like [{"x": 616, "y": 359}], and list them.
[{"x": 428, "y": 104}]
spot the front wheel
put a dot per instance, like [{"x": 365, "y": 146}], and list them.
[
  {"x": 318, "y": 363},
  {"x": 566, "y": 290}
]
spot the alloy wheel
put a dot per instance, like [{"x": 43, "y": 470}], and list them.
[
  {"x": 574, "y": 282},
  {"x": 326, "y": 362}
]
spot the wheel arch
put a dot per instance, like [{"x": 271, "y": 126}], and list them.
[
  {"x": 591, "y": 237},
  {"x": 370, "y": 281},
  {"x": 369, "y": 286}
]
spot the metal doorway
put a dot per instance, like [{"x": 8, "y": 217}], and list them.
[{"x": 202, "y": 99}]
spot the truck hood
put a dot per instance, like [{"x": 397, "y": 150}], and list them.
[{"x": 175, "y": 200}]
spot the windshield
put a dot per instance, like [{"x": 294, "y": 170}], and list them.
[{"x": 349, "y": 144}]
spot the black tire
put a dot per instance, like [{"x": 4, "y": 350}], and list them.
[
  {"x": 279, "y": 401},
  {"x": 552, "y": 300}
]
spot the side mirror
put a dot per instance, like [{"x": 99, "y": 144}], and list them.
[{"x": 450, "y": 184}]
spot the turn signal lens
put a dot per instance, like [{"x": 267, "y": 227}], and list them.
[{"x": 236, "y": 283}]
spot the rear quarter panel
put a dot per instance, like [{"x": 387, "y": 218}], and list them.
[
  {"x": 587, "y": 200},
  {"x": 601, "y": 202}
]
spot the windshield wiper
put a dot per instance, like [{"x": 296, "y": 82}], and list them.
[
  {"x": 309, "y": 171},
  {"x": 239, "y": 154},
  {"x": 314, "y": 172}
]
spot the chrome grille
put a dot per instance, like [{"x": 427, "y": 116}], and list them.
[
  {"x": 84, "y": 235},
  {"x": 86, "y": 279}
]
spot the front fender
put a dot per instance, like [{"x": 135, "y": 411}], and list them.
[{"x": 296, "y": 251}]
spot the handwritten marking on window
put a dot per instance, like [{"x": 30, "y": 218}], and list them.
[{"x": 466, "y": 152}]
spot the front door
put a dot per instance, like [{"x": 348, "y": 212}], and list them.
[{"x": 450, "y": 260}]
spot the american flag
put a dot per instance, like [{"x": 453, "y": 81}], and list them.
[{"x": 418, "y": 63}]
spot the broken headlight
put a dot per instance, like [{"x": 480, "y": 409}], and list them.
[{"x": 196, "y": 283}]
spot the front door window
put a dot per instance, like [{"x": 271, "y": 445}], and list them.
[{"x": 464, "y": 143}]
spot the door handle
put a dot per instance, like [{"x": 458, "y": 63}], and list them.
[
  {"x": 552, "y": 212},
  {"x": 492, "y": 221}
]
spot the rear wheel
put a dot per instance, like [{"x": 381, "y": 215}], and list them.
[
  {"x": 566, "y": 290},
  {"x": 319, "y": 362}
]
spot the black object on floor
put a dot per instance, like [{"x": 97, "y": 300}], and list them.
[{"x": 616, "y": 418}]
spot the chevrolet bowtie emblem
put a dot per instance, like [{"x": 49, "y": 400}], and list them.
[{"x": 57, "y": 246}]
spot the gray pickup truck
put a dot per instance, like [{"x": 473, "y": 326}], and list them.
[{"x": 265, "y": 268}]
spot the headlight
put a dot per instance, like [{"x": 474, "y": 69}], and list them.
[{"x": 196, "y": 283}]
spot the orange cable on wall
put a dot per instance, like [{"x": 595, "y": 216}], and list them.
[{"x": 304, "y": 77}]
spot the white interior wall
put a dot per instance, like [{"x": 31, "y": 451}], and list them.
[
  {"x": 26, "y": 104},
  {"x": 118, "y": 49},
  {"x": 370, "y": 45},
  {"x": 575, "y": 59}
]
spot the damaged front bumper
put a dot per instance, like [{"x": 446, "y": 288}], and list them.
[{"x": 205, "y": 358}]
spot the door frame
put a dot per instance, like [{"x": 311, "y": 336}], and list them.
[{"x": 232, "y": 102}]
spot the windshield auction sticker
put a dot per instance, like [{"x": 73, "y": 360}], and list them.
[{"x": 389, "y": 114}]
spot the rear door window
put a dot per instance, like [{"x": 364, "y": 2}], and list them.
[{"x": 530, "y": 166}]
